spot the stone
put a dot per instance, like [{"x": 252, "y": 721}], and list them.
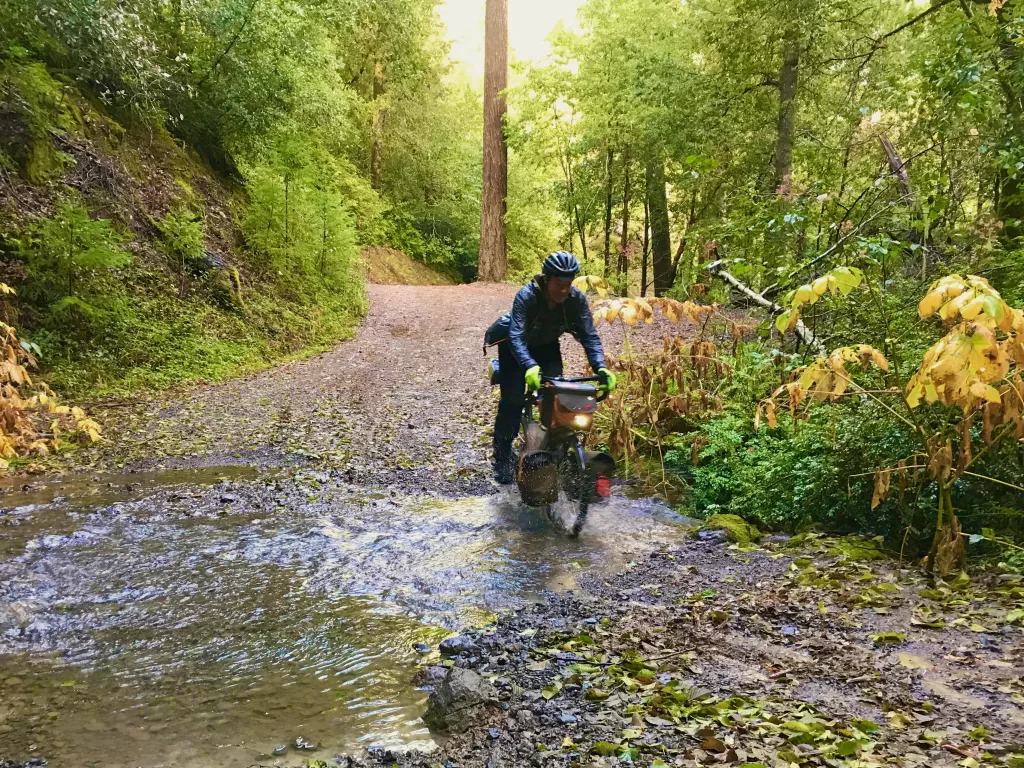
[
  {"x": 454, "y": 702},
  {"x": 713, "y": 537},
  {"x": 431, "y": 676},
  {"x": 456, "y": 645},
  {"x": 857, "y": 548},
  {"x": 736, "y": 528},
  {"x": 16, "y": 615}
]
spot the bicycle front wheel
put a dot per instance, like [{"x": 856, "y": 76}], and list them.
[{"x": 575, "y": 490}]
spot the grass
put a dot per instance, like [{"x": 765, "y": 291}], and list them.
[{"x": 145, "y": 341}]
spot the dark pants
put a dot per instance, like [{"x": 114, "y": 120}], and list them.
[{"x": 512, "y": 380}]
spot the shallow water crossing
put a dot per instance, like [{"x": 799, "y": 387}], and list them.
[{"x": 212, "y": 617}]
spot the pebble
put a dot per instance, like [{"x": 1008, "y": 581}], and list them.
[{"x": 493, "y": 733}]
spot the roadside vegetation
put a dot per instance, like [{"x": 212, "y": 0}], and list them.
[{"x": 847, "y": 173}]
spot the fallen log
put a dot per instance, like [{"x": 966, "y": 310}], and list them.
[{"x": 802, "y": 331}]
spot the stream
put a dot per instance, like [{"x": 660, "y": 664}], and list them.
[{"x": 213, "y": 616}]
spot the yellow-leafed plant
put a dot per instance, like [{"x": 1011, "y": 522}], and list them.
[
  {"x": 974, "y": 370},
  {"x": 32, "y": 421},
  {"x": 662, "y": 390}
]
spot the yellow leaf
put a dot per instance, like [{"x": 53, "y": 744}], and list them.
[
  {"x": 972, "y": 308},
  {"x": 914, "y": 392},
  {"x": 820, "y": 286},
  {"x": 879, "y": 359},
  {"x": 930, "y": 304}
]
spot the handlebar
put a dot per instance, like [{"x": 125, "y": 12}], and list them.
[{"x": 579, "y": 380}]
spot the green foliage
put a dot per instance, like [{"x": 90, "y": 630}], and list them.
[
  {"x": 33, "y": 105},
  {"x": 148, "y": 337},
  {"x": 68, "y": 257},
  {"x": 296, "y": 223},
  {"x": 183, "y": 242}
]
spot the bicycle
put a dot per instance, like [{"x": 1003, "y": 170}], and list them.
[{"x": 555, "y": 468}]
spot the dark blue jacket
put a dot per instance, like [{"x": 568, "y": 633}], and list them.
[{"x": 533, "y": 323}]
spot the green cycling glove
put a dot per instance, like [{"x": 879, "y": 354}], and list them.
[
  {"x": 607, "y": 380},
  {"x": 533, "y": 378}
]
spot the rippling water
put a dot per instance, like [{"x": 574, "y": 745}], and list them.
[{"x": 140, "y": 632}]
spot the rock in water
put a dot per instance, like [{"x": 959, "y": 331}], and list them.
[
  {"x": 453, "y": 646},
  {"x": 452, "y": 705},
  {"x": 431, "y": 676}
]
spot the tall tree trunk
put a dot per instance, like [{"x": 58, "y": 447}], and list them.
[
  {"x": 608, "y": 158},
  {"x": 493, "y": 264},
  {"x": 787, "y": 112},
  {"x": 661, "y": 245},
  {"x": 1010, "y": 209},
  {"x": 691, "y": 219},
  {"x": 647, "y": 246},
  {"x": 379, "y": 117},
  {"x": 623, "y": 266}
]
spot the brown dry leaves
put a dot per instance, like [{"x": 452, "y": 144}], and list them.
[{"x": 824, "y": 379}]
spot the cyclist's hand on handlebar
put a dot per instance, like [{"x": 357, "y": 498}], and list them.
[
  {"x": 533, "y": 378},
  {"x": 607, "y": 380}
]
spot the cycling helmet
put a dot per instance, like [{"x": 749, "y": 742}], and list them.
[{"x": 561, "y": 264}]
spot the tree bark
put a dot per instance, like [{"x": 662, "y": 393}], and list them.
[
  {"x": 647, "y": 245},
  {"x": 661, "y": 245},
  {"x": 1011, "y": 196},
  {"x": 493, "y": 262},
  {"x": 623, "y": 266},
  {"x": 379, "y": 117},
  {"x": 608, "y": 159},
  {"x": 787, "y": 112}
]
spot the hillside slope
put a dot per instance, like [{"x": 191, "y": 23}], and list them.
[
  {"x": 390, "y": 266},
  {"x": 128, "y": 257}
]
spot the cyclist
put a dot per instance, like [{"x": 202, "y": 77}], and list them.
[{"x": 527, "y": 339}]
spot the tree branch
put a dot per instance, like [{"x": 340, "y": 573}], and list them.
[{"x": 227, "y": 50}]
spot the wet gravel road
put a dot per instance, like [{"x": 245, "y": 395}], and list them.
[{"x": 247, "y": 565}]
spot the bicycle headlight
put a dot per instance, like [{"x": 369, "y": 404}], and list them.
[{"x": 582, "y": 420}]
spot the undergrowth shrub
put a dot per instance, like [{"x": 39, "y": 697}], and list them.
[
  {"x": 183, "y": 243},
  {"x": 67, "y": 256},
  {"x": 798, "y": 474}
]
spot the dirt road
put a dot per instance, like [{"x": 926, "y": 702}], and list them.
[
  {"x": 404, "y": 403},
  {"x": 270, "y": 597}
]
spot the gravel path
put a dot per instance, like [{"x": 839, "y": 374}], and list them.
[{"x": 404, "y": 403}]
